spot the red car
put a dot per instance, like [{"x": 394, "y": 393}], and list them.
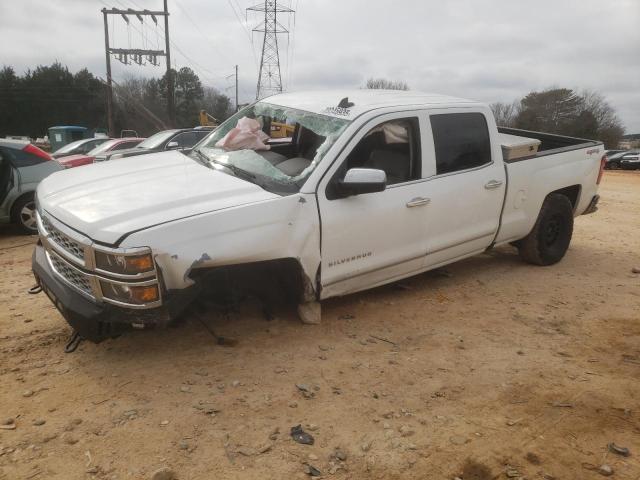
[{"x": 109, "y": 146}]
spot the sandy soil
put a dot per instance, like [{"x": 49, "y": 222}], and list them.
[{"x": 490, "y": 369}]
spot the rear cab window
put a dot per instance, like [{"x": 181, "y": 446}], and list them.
[{"x": 461, "y": 141}]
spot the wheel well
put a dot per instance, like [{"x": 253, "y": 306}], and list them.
[
  {"x": 272, "y": 282},
  {"x": 572, "y": 193},
  {"x": 15, "y": 202}
]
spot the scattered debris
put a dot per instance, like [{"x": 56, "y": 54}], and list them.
[
  {"x": 311, "y": 470},
  {"x": 562, "y": 404},
  {"x": 613, "y": 448},
  {"x": 635, "y": 270},
  {"x": 346, "y": 316},
  {"x": 338, "y": 454},
  {"x": 28, "y": 393},
  {"x": 366, "y": 446},
  {"x": 300, "y": 436},
  {"x": 39, "y": 422},
  {"x": 164, "y": 473},
  {"x": 511, "y": 472},
  {"x": 605, "y": 470}
]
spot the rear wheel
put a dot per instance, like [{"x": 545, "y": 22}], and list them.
[
  {"x": 549, "y": 240},
  {"x": 24, "y": 214}
]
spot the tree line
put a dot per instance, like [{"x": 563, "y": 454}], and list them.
[
  {"x": 52, "y": 95},
  {"x": 563, "y": 111}
]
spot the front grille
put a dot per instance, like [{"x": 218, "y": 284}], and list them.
[
  {"x": 72, "y": 275},
  {"x": 63, "y": 241}
]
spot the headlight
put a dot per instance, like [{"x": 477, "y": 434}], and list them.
[
  {"x": 124, "y": 264},
  {"x": 131, "y": 294}
]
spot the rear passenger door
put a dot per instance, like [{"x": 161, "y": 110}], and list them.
[{"x": 466, "y": 187}]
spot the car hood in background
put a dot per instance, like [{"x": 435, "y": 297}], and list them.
[
  {"x": 105, "y": 201},
  {"x": 75, "y": 159},
  {"x": 128, "y": 152}
]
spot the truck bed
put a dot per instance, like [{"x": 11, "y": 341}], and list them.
[{"x": 550, "y": 143}]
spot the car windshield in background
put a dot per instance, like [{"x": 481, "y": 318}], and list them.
[
  {"x": 272, "y": 146},
  {"x": 154, "y": 141},
  {"x": 102, "y": 148},
  {"x": 70, "y": 146}
]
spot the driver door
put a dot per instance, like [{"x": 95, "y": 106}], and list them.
[{"x": 373, "y": 238}]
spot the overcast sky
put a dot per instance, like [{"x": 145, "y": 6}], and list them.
[{"x": 488, "y": 50}]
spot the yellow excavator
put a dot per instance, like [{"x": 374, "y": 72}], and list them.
[
  {"x": 281, "y": 130},
  {"x": 207, "y": 120}
]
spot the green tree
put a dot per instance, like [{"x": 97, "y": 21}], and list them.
[{"x": 563, "y": 111}]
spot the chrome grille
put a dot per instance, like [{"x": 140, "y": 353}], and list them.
[
  {"x": 72, "y": 275},
  {"x": 63, "y": 241}
]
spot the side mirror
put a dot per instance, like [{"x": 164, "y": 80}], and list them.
[
  {"x": 172, "y": 146},
  {"x": 362, "y": 180}
]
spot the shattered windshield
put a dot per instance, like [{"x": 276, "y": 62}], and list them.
[{"x": 272, "y": 146}]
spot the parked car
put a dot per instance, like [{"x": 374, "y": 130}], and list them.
[
  {"x": 625, "y": 159},
  {"x": 22, "y": 167},
  {"x": 79, "y": 147},
  {"x": 630, "y": 160},
  {"x": 106, "y": 148},
  {"x": 368, "y": 190},
  {"x": 177, "y": 139}
]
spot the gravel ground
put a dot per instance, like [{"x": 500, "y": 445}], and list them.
[{"x": 488, "y": 369}]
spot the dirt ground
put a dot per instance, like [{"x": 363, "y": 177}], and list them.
[{"x": 488, "y": 369}]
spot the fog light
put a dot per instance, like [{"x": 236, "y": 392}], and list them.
[{"x": 132, "y": 294}]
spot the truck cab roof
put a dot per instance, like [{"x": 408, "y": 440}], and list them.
[{"x": 330, "y": 102}]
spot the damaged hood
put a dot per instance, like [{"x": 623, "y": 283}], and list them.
[{"x": 108, "y": 200}]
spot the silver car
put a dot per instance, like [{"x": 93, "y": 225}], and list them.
[{"x": 22, "y": 166}]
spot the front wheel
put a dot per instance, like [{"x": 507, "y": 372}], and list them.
[
  {"x": 549, "y": 240},
  {"x": 24, "y": 214}
]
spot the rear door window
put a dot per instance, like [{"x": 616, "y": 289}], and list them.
[
  {"x": 21, "y": 159},
  {"x": 461, "y": 141}
]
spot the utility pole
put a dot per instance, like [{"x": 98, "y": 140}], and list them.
[
  {"x": 110, "y": 131},
  {"x": 269, "y": 78},
  {"x": 171, "y": 100},
  {"x": 237, "y": 105},
  {"x": 138, "y": 56}
]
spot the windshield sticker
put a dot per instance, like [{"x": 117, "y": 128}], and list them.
[{"x": 340, "y": 111}]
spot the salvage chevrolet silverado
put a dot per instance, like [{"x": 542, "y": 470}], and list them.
[{"x": 369, "y": 188}]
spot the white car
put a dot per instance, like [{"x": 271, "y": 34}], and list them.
[{"x": 371, "y": 187}]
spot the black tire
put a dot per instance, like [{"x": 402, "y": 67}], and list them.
[
  {"x": 613, "y": 166},
  {"x": 549, "y": 240},
  {"x": 23, "y": 214}
]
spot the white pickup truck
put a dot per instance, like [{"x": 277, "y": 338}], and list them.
[{"x": 371, "y": 187}]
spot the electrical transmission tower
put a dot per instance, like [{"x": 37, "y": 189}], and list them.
[{"x": 269, "y": 79}]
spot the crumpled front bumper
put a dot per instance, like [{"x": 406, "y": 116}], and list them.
[{"x": 99, "y": 321}]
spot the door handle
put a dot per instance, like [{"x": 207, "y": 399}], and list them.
[
  {"x": 491, "y": 184},
  {"x": 417, "y": 201}
]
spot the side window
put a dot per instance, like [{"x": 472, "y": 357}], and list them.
[
  {"x": 87, "y": 146},
  {"x": 185, "y": 140},
  {"x": 461, "y": 141},
  {"x": 20, "y": 158},
  {"x": 122, "y": 146},
  {"x": 392, "y": 146}
]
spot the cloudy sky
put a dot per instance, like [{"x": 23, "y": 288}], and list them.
[{"x": 488, "y": 50}]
